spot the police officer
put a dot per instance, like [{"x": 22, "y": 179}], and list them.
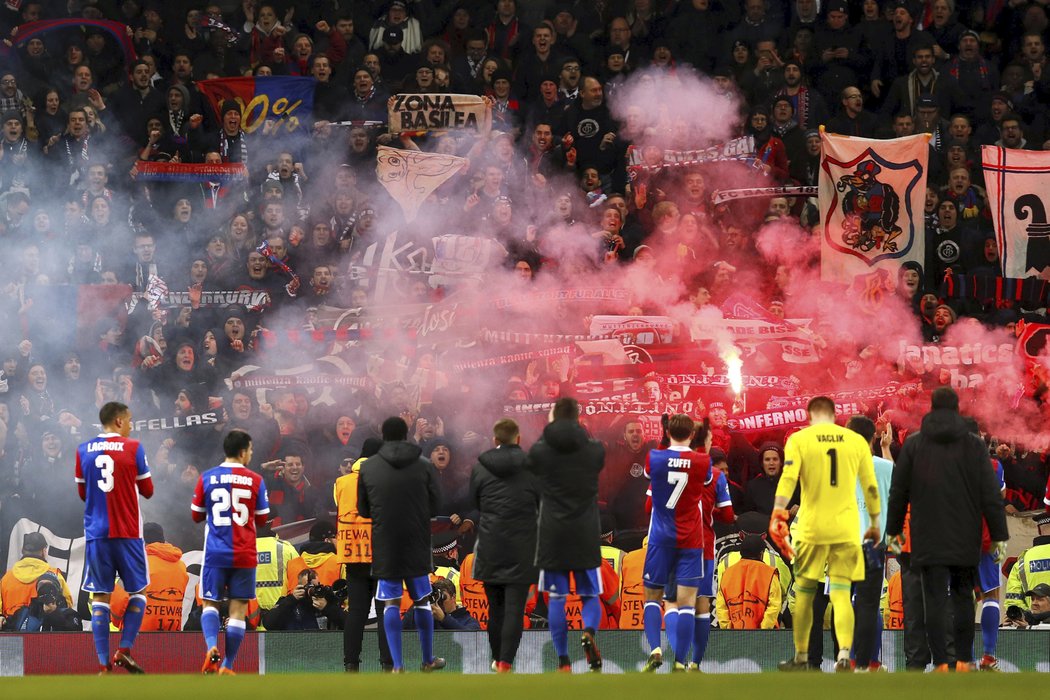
[{"x": 1031, "y": 569}]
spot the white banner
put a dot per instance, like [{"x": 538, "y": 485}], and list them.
[
  {"x": 1018, "y": 185},
  {"x": 871, "y": 204}
]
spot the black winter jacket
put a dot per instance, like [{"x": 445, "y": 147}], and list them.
[
  {"x": 944, "y": 473},
  {"x": 508, "y": 497},
  {"x": 399, "y": 491},
  {"x": 566, "y": 462}
]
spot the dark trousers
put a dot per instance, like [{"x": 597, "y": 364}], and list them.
[
  {"x": 916, "y": 648},
  {"x": 821, "y": 601},
  {"x": 866, "y": 598},
  {"x": 361, "y": 589},
  {"x": 942, "y": 585},
  {"x": 506, "y": 618}
]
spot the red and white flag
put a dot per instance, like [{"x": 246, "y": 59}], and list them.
[
  {"x": 871, "y": 195},
  {"x": 1018, "y": 184}
]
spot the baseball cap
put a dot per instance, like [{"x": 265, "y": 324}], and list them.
[
  {"x": 322, "y": 530},
  {"x": 926, "y": 102},
  {"x": 975, "y": 35},
  {"x": 398, "y": 3},
  {"x": 1042, "y": 590},
  {"x": 393, "y": 35},
  {"x": 838, "y": 6},
  {"x": 33, "y": 542}
]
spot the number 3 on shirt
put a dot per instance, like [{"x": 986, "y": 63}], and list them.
[
  {"x": 678, "y": 480},
  {"x": 223, "y": 499},
  {"x": 106, "y": 466},
  {"x": 833, "y": 455}
]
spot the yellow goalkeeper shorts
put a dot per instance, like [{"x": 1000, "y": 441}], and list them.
[{"x": 844, "y": 560}]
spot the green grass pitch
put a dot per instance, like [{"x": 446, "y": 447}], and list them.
[{"x": 417, "y": 686}]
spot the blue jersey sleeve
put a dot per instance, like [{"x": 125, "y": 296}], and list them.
[
  {"x": 141, "y": 465},
  {"x": 262, "y": 502},
  {"x": 722, "y": 498},
  {"x": 1000, "y": 475}
]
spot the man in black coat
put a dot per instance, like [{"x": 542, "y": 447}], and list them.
[
  {"x": 508, "y": 498},
  {"x": 945, "y": 474},
  {"x": 567, "y": 462},
  {"x": 398, "y": 490}
]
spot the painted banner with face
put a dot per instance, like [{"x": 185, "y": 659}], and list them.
[
  {"x": 411, "y": 176},
  {"x": 871, "y": 195}
]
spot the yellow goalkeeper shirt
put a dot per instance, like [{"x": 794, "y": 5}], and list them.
[{"x": 826, "y": 460}]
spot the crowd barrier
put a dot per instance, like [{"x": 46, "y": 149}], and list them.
[{"x": 466, "y": 652}]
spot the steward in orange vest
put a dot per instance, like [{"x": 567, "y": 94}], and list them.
[
  {"x": 353, "y": 550},
  {"x": 166, "y": 589},
  {"x": 749, "y": 591},
  {"x": 317, "y": 554},
  {"x": 632, "y": 600},
  {"x": 18, "y": 586}
]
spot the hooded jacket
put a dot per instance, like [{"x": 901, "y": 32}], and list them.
[
  {"x": 944, "y": 473},
  {"x": 18, "y": 586},
  {"x": 566, "y": 462},
  {"x": 399, "y": 491},
  {"x": 508, "y": 497}
]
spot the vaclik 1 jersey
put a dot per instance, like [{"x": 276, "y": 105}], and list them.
[
  {"x": 676, "y": 484},
  {"x": 230, "y": 496},
  {"x": 110, "y": 467}
]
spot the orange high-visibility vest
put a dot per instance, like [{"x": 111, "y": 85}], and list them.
[
  {"x": 164, "y": 594},
  {"x": 328, "y": 567},
  {"x": 472, "y": 592},
  {"x": 745, "y": 589},
  {"x": 354, "y": 533},
  {"x": 632, "y": 591},
  {"x": 893, "y": 607}
]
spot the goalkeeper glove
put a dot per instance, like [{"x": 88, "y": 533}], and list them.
[
  {"x": 779, "y": 532},
  {"x": 998, "y": 552}
]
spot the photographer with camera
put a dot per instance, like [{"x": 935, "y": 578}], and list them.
[
  {"x": 310, "y": 606},
  {"x": 448, "y": 614},
  {"x": 33, "y": 595}
]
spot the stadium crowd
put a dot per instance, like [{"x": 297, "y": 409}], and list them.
[{"x": 549, "y": 182}]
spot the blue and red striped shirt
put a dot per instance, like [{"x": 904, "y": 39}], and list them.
[
  {"x": 233, "y": 499},
  {"x": 111, "y": 472}
]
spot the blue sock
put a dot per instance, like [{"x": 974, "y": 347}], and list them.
[
  {"x": 671, "y": 626},
  {"x": 133, "y": 620},
  {"x": 683, "y": 637},
  {"x": 990, "y": 626},
  {"x": 701, "y": 634},
  {"x": 234, "y": 637},
  {"x": 559, "y": 625},
  {"x": 652, "y": 616},
  {"x": 100, "y": 631},
  {"x": 425, "y": 626},
  {"x": 210, "y": 627},
  {"x": 392, "y": 625},
  {"x": 592, "y": 612}
]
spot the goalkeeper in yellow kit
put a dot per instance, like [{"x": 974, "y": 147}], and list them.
[{"x": 826, "y": 460}]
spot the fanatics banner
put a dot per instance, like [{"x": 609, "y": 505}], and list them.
[
  {"x": 120, "y": 33},
  {"x": 410, "y": 176},
  {"x": 1018, "y": 185},
  {"x": 441, "y": 112},
  {"x": 871, "y": 204},
  {"x": 286, "y": 99}
]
